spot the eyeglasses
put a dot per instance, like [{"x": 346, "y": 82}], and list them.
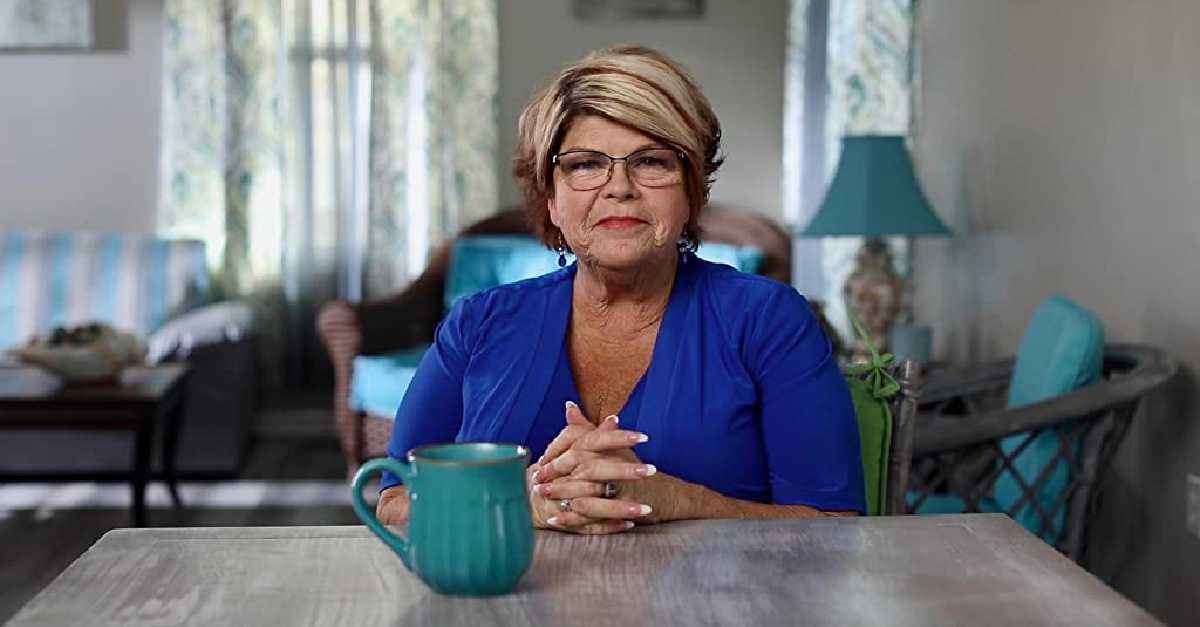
[{"x": 585, "y": 170}]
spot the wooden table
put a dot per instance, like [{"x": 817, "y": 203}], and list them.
[
  {"x": 977, "y": 569},
  {"x": 32, "y": 398}
]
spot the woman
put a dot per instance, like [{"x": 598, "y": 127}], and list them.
[{"x": 729, "y": 400}]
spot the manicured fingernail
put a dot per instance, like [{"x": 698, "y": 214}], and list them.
[
  {"x": 539, "y": 475},
  {"x": 629, "y": 525},
  {"x": 640, "y": 510},
  {"x": 553, "y": 522},
  {"x": 614, "y": 419},
  {"x": 541, "y": 489},
  {"x": 572, "y": 405},
  {"x": 541, "y": 460},
  {"x": 646, "y": 471},
  {"x": 638, "y": 438}
]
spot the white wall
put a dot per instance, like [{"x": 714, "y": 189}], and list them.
[
  {"x": 736, "y": 52},
  {"x": 1059, "y": 140},
  {"x": 79, "y": 130}
]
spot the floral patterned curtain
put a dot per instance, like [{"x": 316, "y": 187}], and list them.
[
  {"x": 868, "y": 81},
  {"x": 433, "y": 128},
  {"x": 322, "y": 148},
  {"x": 223, "y": 147}
]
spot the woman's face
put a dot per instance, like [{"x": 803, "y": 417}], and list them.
[{"x": 622, "y": 223}]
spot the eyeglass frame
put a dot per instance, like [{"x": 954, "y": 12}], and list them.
[{"x": 612, "y": 161}]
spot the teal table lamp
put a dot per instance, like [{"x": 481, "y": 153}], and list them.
[{"x": 875, "y": 194}]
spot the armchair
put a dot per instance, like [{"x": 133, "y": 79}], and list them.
[{"x": 960, "y": 455}]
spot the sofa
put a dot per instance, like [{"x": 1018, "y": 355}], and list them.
[
  {"x": 158, "y": 289},
  {"x": 375, "y": 346}
]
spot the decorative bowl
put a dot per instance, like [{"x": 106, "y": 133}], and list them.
[{"x": 92, "y": 353}]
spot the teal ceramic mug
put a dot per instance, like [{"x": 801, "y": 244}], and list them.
[{"x": 469, "y": 526}]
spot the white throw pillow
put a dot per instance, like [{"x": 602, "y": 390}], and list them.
[{"x": 219, "y": 322}]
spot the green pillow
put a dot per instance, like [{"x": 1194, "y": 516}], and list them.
[
  {"x": 875, "y": 439},
  {"x": 872, "y": 389}
]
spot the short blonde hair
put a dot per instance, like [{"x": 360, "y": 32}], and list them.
[{"x": 631, "y": 85}]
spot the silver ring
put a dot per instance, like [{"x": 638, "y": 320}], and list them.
[
  {"x": 610, "y": 489},
  {"x": 564, "y": 505}
]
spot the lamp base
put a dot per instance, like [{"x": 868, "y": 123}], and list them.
[
  {"x": 872, "y": 294},
  {"x": 911, "y": 342}
]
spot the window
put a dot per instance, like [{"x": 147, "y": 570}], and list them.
[{"x": 328, "y": 142}]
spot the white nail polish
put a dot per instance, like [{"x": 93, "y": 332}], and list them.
[
  {"x": 615, "y": 419},
  {"x": 651, "y": 469},
  {"x": 572, "y": 405},
  {"x": 646, "y": 509},
  {"x": 642, "y": 437},
  {"x": 629, "y": 524},
  {"x": 553, "y": 522}
]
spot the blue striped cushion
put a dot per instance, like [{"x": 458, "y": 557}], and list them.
[{"x": 133, "y": 282}]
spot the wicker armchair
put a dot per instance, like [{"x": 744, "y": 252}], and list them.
[
  {"x": 409, "y": 318},
  {"x": 957, "y": 450}
]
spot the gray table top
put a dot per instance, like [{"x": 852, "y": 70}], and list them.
[
  {"x": 920, "y": 571},
  {"x": 144, "y": 384}
]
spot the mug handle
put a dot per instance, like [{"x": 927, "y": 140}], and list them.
[{"x": 396, "y": 543}]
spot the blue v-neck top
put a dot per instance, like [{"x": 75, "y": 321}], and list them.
[{"x": 742, "y": 395}]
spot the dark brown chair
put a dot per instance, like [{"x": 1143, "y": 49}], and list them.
[{"x": 409, "y": 318}]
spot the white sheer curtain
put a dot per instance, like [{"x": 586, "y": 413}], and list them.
[{"x": 322, "y": 147}]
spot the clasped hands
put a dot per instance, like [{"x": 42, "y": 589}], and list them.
[{"x": 567, "y": 484}]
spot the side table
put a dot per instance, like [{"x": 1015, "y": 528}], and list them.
[{"x": 136, "y": 402}]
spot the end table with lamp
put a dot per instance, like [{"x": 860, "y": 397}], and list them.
[{"x": 875, "y": 194}]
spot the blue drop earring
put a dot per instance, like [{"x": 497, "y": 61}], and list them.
[{"x": 562, "y": 251}]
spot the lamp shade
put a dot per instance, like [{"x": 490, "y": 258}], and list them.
[{"x": 875, "y": 193}]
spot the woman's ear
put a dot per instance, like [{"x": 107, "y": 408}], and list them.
[{"x": 552, "y": 207}]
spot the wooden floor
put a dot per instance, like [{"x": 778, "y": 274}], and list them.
[{"x": 296, "y": 446}]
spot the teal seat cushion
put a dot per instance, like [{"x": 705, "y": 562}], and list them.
[
  {"x": 378, "y": 382},
  {"x": 478, "y": 263},
  {"x": 1063, "y": 350},
  {"x": 743, "y": 258}
]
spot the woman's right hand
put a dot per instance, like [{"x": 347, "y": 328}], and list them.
[
  {"x": 392, "y": 508},
  {"x": 577, "y": 426}
]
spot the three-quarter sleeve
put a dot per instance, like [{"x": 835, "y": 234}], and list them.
[
  {"x": 432, "y": 409},
  {"x": 809, "y": 428}
]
